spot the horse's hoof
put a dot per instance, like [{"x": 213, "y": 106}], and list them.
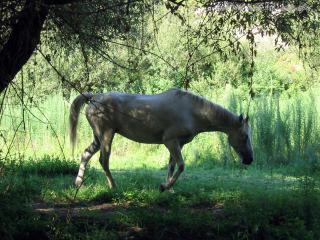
[
  {"x": 171, "y": 190},
  {"x": 78, "y": 182},
  {"x": 162, "y": 187}
]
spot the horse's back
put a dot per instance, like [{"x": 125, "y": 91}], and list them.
[
  {"x": 143, "y": 118},
  {"x": 132, "y": 102}
]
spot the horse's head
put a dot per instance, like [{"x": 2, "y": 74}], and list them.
[{"x": 240, "y": 139}]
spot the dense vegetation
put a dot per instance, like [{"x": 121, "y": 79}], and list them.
[{"x": 277, "y": 197}]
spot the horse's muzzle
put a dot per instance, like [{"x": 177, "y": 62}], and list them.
[{"x": 247, "y": 160}]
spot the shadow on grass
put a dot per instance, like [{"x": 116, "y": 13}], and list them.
[{"x": 219, "y": 203}]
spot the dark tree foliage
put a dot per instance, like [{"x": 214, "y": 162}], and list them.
[
  {"x": 85, "y": 25},
  {"x": 22, "y": 22}
]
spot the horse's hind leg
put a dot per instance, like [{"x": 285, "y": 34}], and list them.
[
  {"x": 85, "y": 157},
  {"x": 105, "y": 150}
]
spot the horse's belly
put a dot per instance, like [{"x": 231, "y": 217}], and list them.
[
  {"x": 142, "y": 126},
  {"x": 142, "y": 137}
]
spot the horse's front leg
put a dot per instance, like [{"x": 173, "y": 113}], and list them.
[
  {"x": 85, "y": 157},
  {"x": 175, "y": 152},
  {"x": 172, "y": 164},
  {"x": 171, "y": 167}
]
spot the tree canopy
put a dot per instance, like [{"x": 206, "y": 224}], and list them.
[{"x": 91, "y": 26}]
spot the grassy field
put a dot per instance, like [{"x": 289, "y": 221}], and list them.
[
  {"x": 39, "y": 200},
  {"x": 277, "y": 197}
]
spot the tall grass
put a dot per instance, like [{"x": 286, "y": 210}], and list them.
[{"x": 285, "y": 131}]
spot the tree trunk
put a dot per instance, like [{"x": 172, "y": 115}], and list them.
[{"x": 23, "y": 40}]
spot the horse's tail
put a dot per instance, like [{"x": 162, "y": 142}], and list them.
[{"x": 75, "y": 108}]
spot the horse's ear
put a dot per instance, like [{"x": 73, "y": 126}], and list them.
[{"x": 241, "y": 118}]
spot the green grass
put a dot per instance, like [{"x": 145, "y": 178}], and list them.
[{"x": 217, "y": 203}]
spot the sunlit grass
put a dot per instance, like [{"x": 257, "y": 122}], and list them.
[{"x": 57, "y": 179}]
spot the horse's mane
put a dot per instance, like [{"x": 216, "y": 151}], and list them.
[
  {"x": 194, "y": 97},
  {"x": 220, "y": 111}
]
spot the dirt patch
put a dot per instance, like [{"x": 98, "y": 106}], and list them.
[
  {"x": 77, "y": 210},
  {"x": 97, "y": 215},
  {"x": 98, "y": 210},
  {"x": 216, "y": 209},
  {"x": 106, "y": 216}
]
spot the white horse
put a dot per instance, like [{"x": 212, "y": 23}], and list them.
[{"x": 172, "y": 118}]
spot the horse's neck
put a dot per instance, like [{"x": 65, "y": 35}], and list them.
[{"x": 220, "y": 119}]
